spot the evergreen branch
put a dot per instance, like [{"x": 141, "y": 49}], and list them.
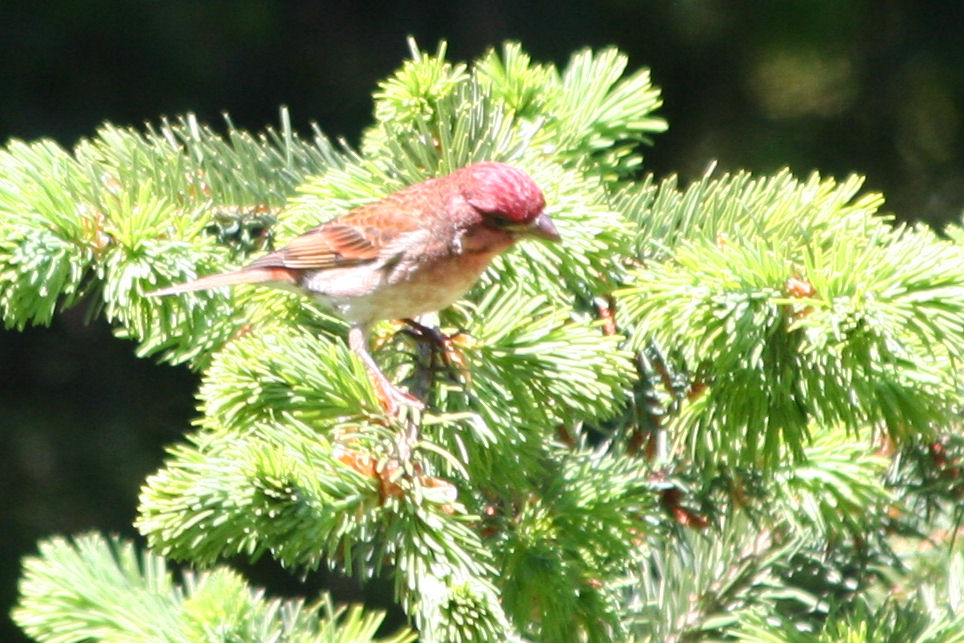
[
  {"x": 306, "y": 507},
  {"x": 808, "y": 327},
  {"x": 444, "y": 576},
  {"x": 772, "y": 320},
  {"x": 566, "y": 543},
  {"x": 593, "y": 117},
  {"x": 837, "y": 490},
  {"x": 464, "y": 126},
  {"x": 695, "y": 585},
  {"x": 98, "y": 589},
  {"x": 513, "y": 333},
  {"x": 588, "y": 115},
  {"x": 48, "y": 244},
  {"x": 737, "y": 206},
  {"x": 191, "y": 160},
  {"x": 928, "y": 480},
  {"x": 416, "y": 88},
  {"x": 791, "y": 545},
  {"x": 225, "y": 497},
  {"x": 130, "y": 208},
  {"x": 275, "y": 374},
  {"x": 891, "y": 621},
  {"x": 605, "y": 116}
]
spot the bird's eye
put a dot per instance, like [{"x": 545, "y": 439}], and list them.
[{"x": 499, "y": 221}]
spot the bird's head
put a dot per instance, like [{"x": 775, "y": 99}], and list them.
[{"x": 507, "y": 198}]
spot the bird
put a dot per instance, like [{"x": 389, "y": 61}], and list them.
[{"x": 412, "y": 252}]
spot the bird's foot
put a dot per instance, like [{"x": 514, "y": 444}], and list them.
[
  {"x": 390, "y": 396},
  {"x": 443, "y": 346}
]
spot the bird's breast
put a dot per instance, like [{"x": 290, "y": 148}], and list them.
[{"x": 407, "y": 286}]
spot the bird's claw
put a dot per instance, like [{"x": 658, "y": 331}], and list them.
[
  {"x": 391, "y": 397},
  {"x": 441, "y": 344}
]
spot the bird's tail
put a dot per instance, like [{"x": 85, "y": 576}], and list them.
[{"x": 249, "y": 276}]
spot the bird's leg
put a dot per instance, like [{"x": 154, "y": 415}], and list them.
[{"x": 390, "y": 396}]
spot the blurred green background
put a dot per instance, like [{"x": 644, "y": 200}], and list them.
[{"x": 873, "y": 87}]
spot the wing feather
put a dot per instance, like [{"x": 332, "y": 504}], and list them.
[{"x": 358, "y": 237}]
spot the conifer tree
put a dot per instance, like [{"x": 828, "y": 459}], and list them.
[{"x": 727, "y": 410}]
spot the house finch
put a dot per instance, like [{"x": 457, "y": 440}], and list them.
[{"x": 412, "y": 252}]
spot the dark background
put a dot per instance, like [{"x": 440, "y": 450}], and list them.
[{"x": 873, "y": 87}]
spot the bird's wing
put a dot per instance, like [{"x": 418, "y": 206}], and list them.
[
  {"x": 356, "y": 238},
  {"x": 329, "y": 246}
]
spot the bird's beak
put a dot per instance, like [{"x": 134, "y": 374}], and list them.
[{"x": 542, "y": 227}]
